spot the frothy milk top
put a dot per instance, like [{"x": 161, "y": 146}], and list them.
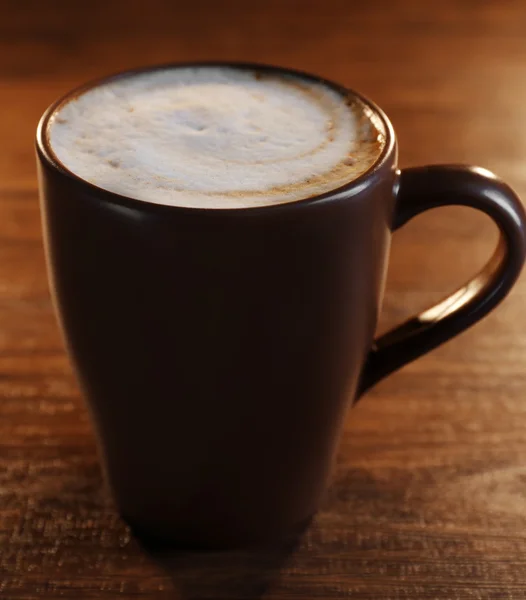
[{"x": 214, "y": 137}]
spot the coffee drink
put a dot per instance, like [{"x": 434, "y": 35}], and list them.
[
  {"x": 219, "y": 350},
  {"x": 216, "y": 136}
]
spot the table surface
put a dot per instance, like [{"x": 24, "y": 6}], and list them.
[{"x": 429, "y": 495}]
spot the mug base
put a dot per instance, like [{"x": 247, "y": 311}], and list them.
[{"x": 157, "y": 540}]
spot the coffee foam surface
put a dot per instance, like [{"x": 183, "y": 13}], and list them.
[{"x": 214, "y": 137}]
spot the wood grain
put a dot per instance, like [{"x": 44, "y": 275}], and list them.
[{"x": 429, "y": 496}]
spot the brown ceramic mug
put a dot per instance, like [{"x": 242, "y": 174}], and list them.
[{"x": 218, "y": 420}]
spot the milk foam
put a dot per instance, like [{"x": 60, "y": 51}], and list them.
[{"x": 214, "y": 137}]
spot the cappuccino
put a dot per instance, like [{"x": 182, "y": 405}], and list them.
[{"x": 216, "y": 137}]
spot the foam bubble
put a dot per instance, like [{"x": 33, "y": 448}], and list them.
[{"x": 214, "y": 137}]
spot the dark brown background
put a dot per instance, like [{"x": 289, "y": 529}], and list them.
[{"x": 429, "y": 499}]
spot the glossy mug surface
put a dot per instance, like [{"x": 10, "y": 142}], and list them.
[{"x": 219, "y": 347}]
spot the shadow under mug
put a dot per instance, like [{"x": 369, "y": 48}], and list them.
[{"x": 220, "y": 349}]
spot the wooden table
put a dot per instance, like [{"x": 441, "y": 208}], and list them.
[{"x": 429, "y": 499}]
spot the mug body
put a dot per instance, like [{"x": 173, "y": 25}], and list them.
[{"x": 218, "y": 350}]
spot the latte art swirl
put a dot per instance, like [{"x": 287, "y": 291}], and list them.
[{"x": 215, "y": 137}]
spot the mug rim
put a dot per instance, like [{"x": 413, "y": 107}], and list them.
[{"x": 351, "y": 188}]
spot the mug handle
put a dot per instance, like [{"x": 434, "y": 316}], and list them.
[{"x": 420, "y": 189}]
